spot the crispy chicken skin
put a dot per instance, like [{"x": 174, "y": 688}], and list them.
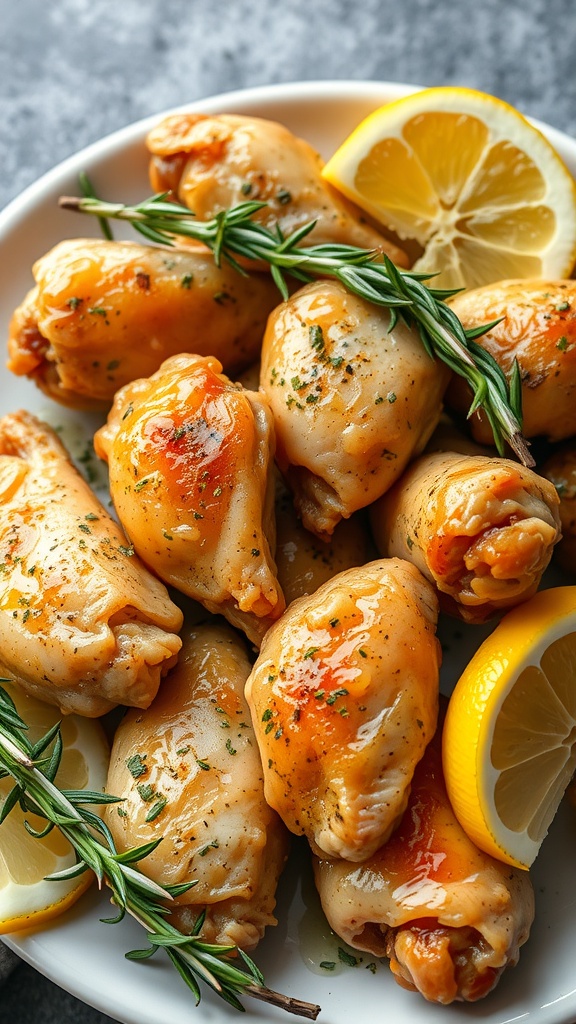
[
  {"x": 344, "y": 698},
  {"x": 189, "y": 455},
  {"x": 83, "y": 624},
  {"x": 449, "y": 917},
  {"x": 353, "y": 402},
  {"x": 215, "y": 161},
  {"x": 304, "y": 563},
  {"x": 482, "y": 530},
  {"x": 560, "y": 469},
  {"x": 184, "y": 776},
  {"x": 105, "y": 313},
  {"x": 539, "y": 330}
]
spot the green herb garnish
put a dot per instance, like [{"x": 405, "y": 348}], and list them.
[{"x": 233, "y": 233}]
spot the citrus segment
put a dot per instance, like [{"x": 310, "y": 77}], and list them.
[
  {"x": 509, "y": 743},
  {"x": 26, "y": 898},
  {"x": 466, "y": 177}
]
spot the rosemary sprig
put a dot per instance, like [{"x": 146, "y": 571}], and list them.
[
  {"x": 233, "y": 233},
  {"x": 34, "y": 771}
]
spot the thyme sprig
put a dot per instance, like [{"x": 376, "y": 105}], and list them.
[
  {"x": 234, "y": 233},
  {"x": 33, "y": 767}
]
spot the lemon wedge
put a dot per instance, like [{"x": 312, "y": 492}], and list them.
[
  {"x": 509, "y": 741},
  {"x": 464, "y": 176},
  {"x": 26, "y": 898}
]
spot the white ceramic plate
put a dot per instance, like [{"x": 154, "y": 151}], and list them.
[{"x": 86, "y": 957}]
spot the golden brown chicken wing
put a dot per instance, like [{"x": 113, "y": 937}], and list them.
[
  {"x": 560, "y": 469},
  {"x": 215, "y": 161},
  {"x": 105, "y": 313},
  {"x": 189, "y": 455},
  {"x": 449, "y": 917},
  {"x": 344, "y": 698},
  {"x": 482, "y": 530},
  {"x": 83, "y": 624},
  {"x": 352, "y": 400},
  {"x": 539, "y": 330},
  {"x": 188, "y": 770}
]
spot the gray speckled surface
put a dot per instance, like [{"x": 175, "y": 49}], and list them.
[{"x": 74, "y": 70}]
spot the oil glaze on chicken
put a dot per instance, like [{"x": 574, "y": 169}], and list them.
[
  {"x": 538, "y": 329},
  {"x": 212, "y": 162},
  {"x": 105, "y": 313},
  {"x": 303, "y": 561},
  {"x": 83, "y": 624},
  {"x": 214, "y": 387},
  {"x": 344, "y": 698},
  {"x": 188, "y": 769},
  {"x": 482, "y": 530},
  {"x": 449, "y": 917},
  {"x": 190, "y": 455},
  {"x": 353, "y": 402}
]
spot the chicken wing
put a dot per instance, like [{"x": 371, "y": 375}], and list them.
[
  {"x": 105, "y": 313},
  {"x": 352, "y": 400},
  {"x": 344, "y": 698},
  {"x": 83, "y": 624},
  {"x": 482, "y": 530},
  {"x": 304, "y": 563},
  {"x": 215, "y": 161},
  {"x": 188, "y": 769},
  {"x": 539, "y": 330},
  {"x": 449, "y": 917},
  {"x": 189, "y": 455},
  {"x": 560, "y": 469}
]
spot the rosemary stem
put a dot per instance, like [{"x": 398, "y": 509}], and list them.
[
  {"x": 14, "y": 752},
  {"x": 132, "y": 891},
  {"x": 234, "y": 235},
  {"x": 287, "y": 1003},
  {"x": 506, "y": 422}
]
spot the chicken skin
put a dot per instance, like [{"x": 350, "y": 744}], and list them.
[
  {"x": 560, "y": 469},
  {"x": 215, "y": 161},
  {"x": 449, "y": 917},
  {"x": 83, "y": 624},
  {"x": 538, "y": 330},
  {"x": 188, "y": 769},
  {"x": 353, "y": 402},
  {"x": 344, "y": 699},
  {"x": 189, "y": 456},
  {"x": 304, "y": 563},
  {"x": 482, "y": 530},
  {"x": 105, "y": 313}
]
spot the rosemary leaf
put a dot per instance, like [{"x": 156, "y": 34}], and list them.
[
  {"x": 233, "y": 234},
  {"x": 132, "y": 891}
]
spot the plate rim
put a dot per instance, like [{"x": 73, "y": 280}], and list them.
[{"x": 34, "y": 195}]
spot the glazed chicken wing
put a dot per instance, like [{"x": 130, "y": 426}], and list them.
[
  {"x": 215, "y": 161},
  {"x": 344, "y": 698},
  {"x": 83, "y": 624},
  {"x": 105, "y": 313},
  {"x": 539, "y": 330},
  {"x": 304, "y": 563},
  {"x": 352, "y": 400},
  {"x": 449, "y": 917},
  {"x": 188, "y": 769},
  {"x": 189, "y": 455},
  {"x": 482, "y": 530}
]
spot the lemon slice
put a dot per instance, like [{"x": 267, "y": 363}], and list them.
[
  {"x": 509, "y": 742},
  {"x": 26, "y": 898},
  {"x": 466, "y": 177}
]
